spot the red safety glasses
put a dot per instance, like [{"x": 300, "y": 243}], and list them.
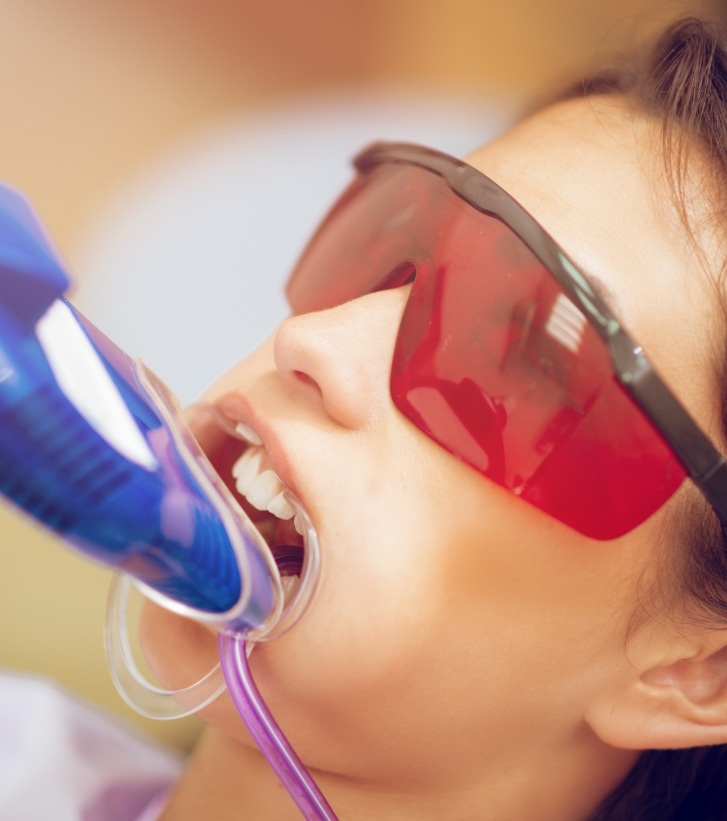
[{"x": 506, "y": 355}]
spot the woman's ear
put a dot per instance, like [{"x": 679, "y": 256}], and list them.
[{"x": 676, "y": 696}]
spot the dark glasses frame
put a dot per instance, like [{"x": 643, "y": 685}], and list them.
[{"x": 703, "y": 463}]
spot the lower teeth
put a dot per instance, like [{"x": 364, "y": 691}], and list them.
[{"x": 289, "y": 585}]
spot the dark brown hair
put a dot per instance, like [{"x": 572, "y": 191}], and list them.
[{"x": 681, "y": 81}]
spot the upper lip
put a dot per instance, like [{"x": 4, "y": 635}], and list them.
[{"x": 237, "y": 408}]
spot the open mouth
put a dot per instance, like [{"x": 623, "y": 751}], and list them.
[
  {"x": 266, "y": 500},
  {"x": 239, "y": 458}
]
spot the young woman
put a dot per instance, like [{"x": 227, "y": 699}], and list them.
[{"x": 522, "y": 611}]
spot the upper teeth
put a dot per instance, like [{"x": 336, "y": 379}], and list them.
[
  {"x": 261, "y": 487},
  {"x": 248, "y": 433}
]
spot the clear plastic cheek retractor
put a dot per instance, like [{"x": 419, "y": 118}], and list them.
[{"x": 96, "y": 448}]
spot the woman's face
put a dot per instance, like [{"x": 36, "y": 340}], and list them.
[{"x": 454, "y": 624}]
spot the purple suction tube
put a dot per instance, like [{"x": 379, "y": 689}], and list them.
[{"x": 266, "y": 732}]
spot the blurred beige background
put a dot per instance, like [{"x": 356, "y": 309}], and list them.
[{"x": 93, "y": 93}]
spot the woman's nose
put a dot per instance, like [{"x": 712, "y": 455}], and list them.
[{"x": 341, "y": 357}]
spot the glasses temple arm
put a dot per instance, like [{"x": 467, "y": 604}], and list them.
[{"x": 704, "y": 464}]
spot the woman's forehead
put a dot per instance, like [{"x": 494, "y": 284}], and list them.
[{"x": 590, "y": 171}]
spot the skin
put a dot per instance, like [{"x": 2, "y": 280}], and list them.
[{"x": 466, "y": 657}]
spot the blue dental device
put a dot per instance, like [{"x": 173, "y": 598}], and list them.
[{"x": 94, "y": 446}]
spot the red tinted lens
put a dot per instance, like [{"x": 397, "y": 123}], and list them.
[
  {"x": 386, "y": 220},
  {"x": 492, "y": 360}
]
